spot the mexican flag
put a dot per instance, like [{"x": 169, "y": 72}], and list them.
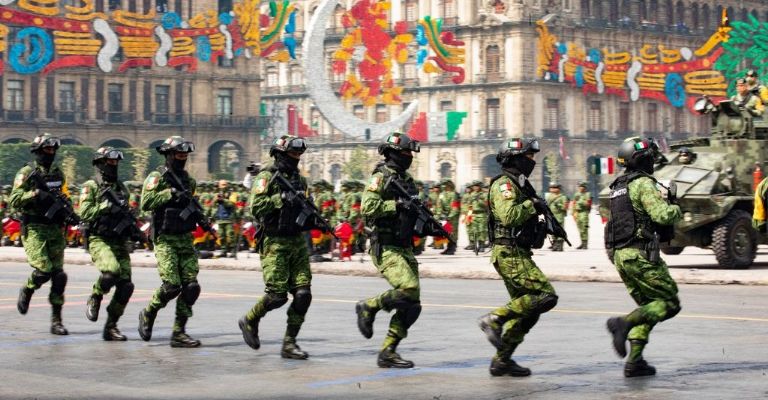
[
  {"x": 436, "y": 126},
  {"x": 603, "y": 166}
]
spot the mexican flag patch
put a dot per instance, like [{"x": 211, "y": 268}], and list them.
[
  {"x": 374, "y": 183},
  {"x": 505, "y": 187},
  {"x": 85, "y": 190},
  {"x": 152, "y": 182},
  {"x": 260, "y": 186}
]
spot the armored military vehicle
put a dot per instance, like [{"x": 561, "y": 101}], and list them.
[{"x": 714, "y": 184}]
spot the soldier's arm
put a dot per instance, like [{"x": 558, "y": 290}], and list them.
[
  {"x": 152, "y": 196},
  {"x": 650, "y": 198},
  {"x": 758, "y": 108},
  {"x": 261, "y": 202},
  {"x": 506, "y": 207},
  {"x": 23, "y": 190},
  {"x": 90, "y": 206},
  {"x": 373, "y": 206},
  {"x": 455, "y": 206}
]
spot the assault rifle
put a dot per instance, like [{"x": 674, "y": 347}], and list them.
[
  {"x": 308, "y": 208},
  {"x": 553, "y": 227},
  {"x": 61, "y": 208},
  {"x": 426, "y": 224},
  {"x": 193, "y": 209},
  {"x": 127, "y": 218}
]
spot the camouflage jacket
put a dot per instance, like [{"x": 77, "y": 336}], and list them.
[
  {"x": 23, "y": 193},
  {"x": 91, "y": 205},
  {"x": 647, "y": 201}
]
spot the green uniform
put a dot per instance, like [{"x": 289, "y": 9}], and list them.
[
  {"x": 396, "y": 261},
  {"x": 582, "y": 205},
  {"x": 649, "y": 284},
  {"x": 284, "y": 253},
  {"x": 175, "y": 254},
  {"x": 478, "y": 229},
  {"x": 109, "y": 254},
  {"x": 450, "y": 210},
  {"x": 761, "y": 201},
  {"x": 225, "y": 213},
  {"x": 558, "y": 203},
  {"x": 43, "y": 241},
  {"x": 529, "y": 290}
]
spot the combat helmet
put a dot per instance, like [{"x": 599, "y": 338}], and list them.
[
  {"x": 288, "y": 143},
  {"x": 637, "y": 154},
  {"x": 106, "y": 153},
  {"x": 398, "y": 141},
  {"x": 44, "y": 140},
  {"x": 176, "y": 144},
  {"x": 515, "y": 147}
]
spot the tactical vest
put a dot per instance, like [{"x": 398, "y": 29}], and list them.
[
  {"x": 282, "y": 222},
  {"x": 397, "y": 230},
  {"x": 222, "y": 211},
  {"x": 531, "y": 234},
  {"x": 112, "y": 225},
  {"x": 167, "y": 218},
  {"x": 35, "y": 214},
  {"x": 626, "y": 228}
]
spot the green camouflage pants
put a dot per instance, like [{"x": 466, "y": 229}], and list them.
[
  {"x": 285, "y": 267},
  {"x": 556, "y": 241},
  {"x": 652, "y": 288},
  {"x": 400, "y": 268},
  {"x": 111, "y": 256},
  {"x": 177, "y": 265},
  {"x": 44, "y": 246},
  {"x": 582, "y": 223},
  {"x": 226, "y": 234},
  {"x": 478, "y": 228},
  {"x": 530, "y": 294},
  {"x": 455, "y": 233}
]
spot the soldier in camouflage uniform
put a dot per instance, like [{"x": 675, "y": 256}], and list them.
[
  {"x": 466, "y": 214},
  {"x": 175, "y": 253},
  {"x": 43, "y": 238},
  {"x": 106, "y": 245},
  {"x": 558, "y": 203},
  {"x": 582, "y": 205},
  {"x": 424, "y": 197},
  {"x": 479, "y": 202},
  {"x": 434, "y": 207},
  {"x": 450, "y": 210},
  {"x": 515, "y": 231},
  {"x": 392, "y": 220},
  {"x": 284, "y": 253},
  {"x": 639, "y": 219},
  {"x": 224, "y": 212}
]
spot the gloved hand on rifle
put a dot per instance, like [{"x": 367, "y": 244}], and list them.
[
  {"x": 539, "y": 205},
  {"x": 403, "y": 204},
  {"x": 42, "y": 195},
  {"x": 288, "y": 197}
]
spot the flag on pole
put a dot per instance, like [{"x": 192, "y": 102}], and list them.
[
  {"x": 603, "y": 165},
  {"x": 437, "y": 126}
]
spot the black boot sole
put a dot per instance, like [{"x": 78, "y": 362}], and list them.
[
  {"x": 294, "y": 356},
  {"x": 21, "y": 305},
  {"x": 389, "y": 364},
  {"x": 249, "y": 340},
  {"x": 146, "y": 332},
  {"x": 360, "y": 324}
]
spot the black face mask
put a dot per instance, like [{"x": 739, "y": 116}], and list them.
[
  {"x": 108, "y": 172},
  {"x": 522, "y": 164},
  {"x": 174, "y": 164},
  {"x": 286, "y": 163},
  {"x": 644, "y": 164},
  {"x": 44, "y": 159},
  {"x": 398, "y": 161}
]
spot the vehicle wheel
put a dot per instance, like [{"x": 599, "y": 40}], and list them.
[
  {"x": 672, "y": 251},
  {"x": 735, "y": 241}
]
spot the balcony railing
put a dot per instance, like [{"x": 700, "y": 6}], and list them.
[
  {"x": 293, "y": 89},
  {"x": 450, "y": 21},
  {"x": 19, "y": 116},
  {"x": 407, "y": 82},
  {"x": 70, "y": 117},
  {"x": 492, "y": 133},
  {"x": 334, "y": 32},
  {"x": 597, "y": 134},
  {"x": 119, "y": 117},
  {"x": 553, "y": 133},
  {"x": 489, "y": 77},
  {"x": 222, "y": 121}
]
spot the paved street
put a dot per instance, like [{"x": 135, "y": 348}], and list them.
[{"x": 715, "y": 349}]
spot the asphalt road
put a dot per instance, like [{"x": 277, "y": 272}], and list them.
[{"x": 715, "y": 349}]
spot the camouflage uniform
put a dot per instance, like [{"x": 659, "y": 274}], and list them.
[
  {"x": 224, "y": 212},
  {"x": 582, "y": 205},
  {"x": 479, "y": 203},
  {"x": 450, "y": 210},
  {"x": 558, "y": 203}
]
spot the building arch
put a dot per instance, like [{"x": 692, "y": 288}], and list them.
[
  {"x": 446, "y": 170},
  {"x": 315, "y": 172},
  {"x": 335, "y": 173},
  {"x": 225, "y": 159},
  {"x": 15, "y": 140},
  {"x": 117, "y": 143}
]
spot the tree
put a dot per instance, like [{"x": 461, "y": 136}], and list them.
[
  {"x": 552, "y": 164},
  {"x": 140, "y": 164},
  {"x": 357, "y": 167},
  {"x": 69, "y": 167}
]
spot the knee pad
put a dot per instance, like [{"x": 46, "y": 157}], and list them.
[
  {"x": 123, "y": 292},
  {"x": 169, "y": 291},
  {"x": 191, "y": 291},
  {"x": 545, "y": 304},
  {"x": 39, "y": 278},
  {"x": 302, "y": 297},
  {"x": 673, "y": 309},
  {"x": 411, "y": 314},
  {"x": 400, "y": 299},
  {"x": 274, "y": 300},
  {"x": 108, "y": 280},
  {"x": 58, "y": 282}
]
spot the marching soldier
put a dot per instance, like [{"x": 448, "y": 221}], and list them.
[
  {"x": 35, "y": 193},
  {"x": 639, "y": 219},
  {"x": 479, "y": 203},
  {"x": 393, "y": 224},
  {"x": 225, "y": 213},
  {"x": 558, "y": 203},
  {"x": 167, "y": 194},
  {"x": 110, "y": 222},
  {"x": 582, "y": 206},
  {"x": 515, "y": 230},
  {"x": 284, "y": 252}
]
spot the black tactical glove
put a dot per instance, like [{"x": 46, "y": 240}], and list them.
[
  {"x": 539, "y": 205},
  {"x": 288, "y": 197},
  {"x": 403, "y": 204}
]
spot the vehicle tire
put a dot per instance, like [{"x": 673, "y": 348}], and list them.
[
  {"x": 734, "y": 241},
  {"x": 672, "y": 251}
]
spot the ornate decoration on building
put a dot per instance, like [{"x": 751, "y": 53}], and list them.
[
  {"x": 674, "y": 76},
  {"x": 45, "y": 40},
  {"x": 448, "y": 52},
  {"x": 745, "y": 48}
]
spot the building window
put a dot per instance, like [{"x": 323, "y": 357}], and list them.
[
  {"x": 448, "y": 9},
  {"x": 315, "y": 119},
  {"x": 66, "y": 96},
  {"x": 15, "y": 97},
  {"x": 493, "y": 121},
  {"x": 335, "y": 174},
  {"x": 653, "y": 117},
  {"x": 272, "y": 77},
  {"x": 624, "y": 117},
  {"x": 585, "y": 10},
  {"x": 224, "y": 103},
  {"x": 445, "y": 170},
  {"x": 161, "y": 6},
  {"x": 381, "y": 113},
  {"x": 678, "y": 122},
  {"x": 359, "y": 112},
  {"x": 552, "y": 118},
  {"x": 411, "y": 10},
  {"x": 338, "y": 17},
  {"x": 492, "y": 57},
  {"x": 296, "y": 78},
  {"x": 410, "y": 71},
  {"x": 446, "y": 105},
  {"x": 115, "y": 103},
  {"x": 225, "y": 6},
  {"x": 114, "y": 5},
  {"x": 595, "y": 116},
  {"x": 566, "y": 5},
  {"x": 225, "y": 62},
  {"x": 162, "y": 104}
]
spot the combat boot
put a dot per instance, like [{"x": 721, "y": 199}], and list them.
[
  {"x": 181, "y": 339},
  {"x": 638, "y": 368},
  {"x": 507, "y": 367},
  {"x": 92, "y": 308},
  {"x": 491, "y": 325},
  {"x": 388, "y": 358},
  {"x": 222, "y": 254},
  {"x": 250, "y": 331},
  {"x": 470, "y": 247},
  {"x": 111, "y": 333},
  {"x": 619, "y": 328},
  {"x": 449, "y": 251},
  {"x": 292, "y": 351},
  {"x": 365, "y": 317},
  {"x": 25, "y": 296},
  {"x": 146, "y": 321},
  {"x": 57, "y": 328}
]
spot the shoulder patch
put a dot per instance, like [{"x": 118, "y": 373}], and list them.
[
  {"x": 505, "y": 187},
  {"x": 152, "y": 182},
  {"x": 20, "y": 177},
  {"x": 85, "y": 190},
  {"x": 507, "y": 194},
  {"x": 374, "y": 183},
  {"x": 260, "y": 186}
]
